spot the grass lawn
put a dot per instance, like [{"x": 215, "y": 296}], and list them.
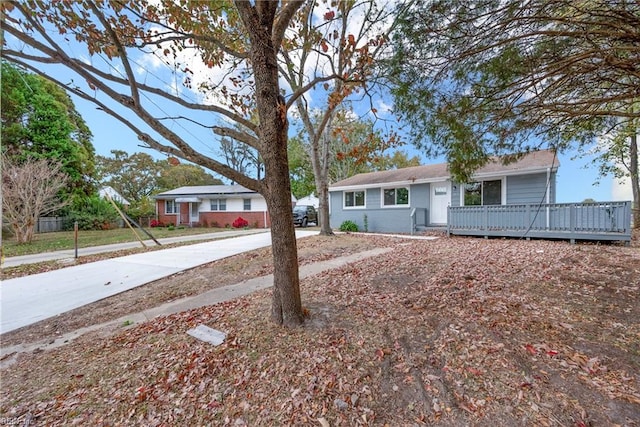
[{"x": 48, "y": 242}]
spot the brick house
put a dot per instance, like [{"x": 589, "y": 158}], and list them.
[{"x": 212, "y": 206}]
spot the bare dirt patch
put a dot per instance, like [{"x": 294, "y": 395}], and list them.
[{"x": 456, "y": 331}]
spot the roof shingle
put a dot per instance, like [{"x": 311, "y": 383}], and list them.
[{"x": 531, "y": 162}]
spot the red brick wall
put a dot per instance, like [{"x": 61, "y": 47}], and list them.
[{"x": 166, "y": 218}]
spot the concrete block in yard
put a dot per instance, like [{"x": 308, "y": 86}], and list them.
[{"x": 207, "y": 334}]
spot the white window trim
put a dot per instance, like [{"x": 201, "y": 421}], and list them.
[
  {"x": 176, "y": 207},
  {"x": 344, "y": 199},
  {"x": 503, "y": 189},
  {"x": 395, "y": 205},
  {"x": 217, "y": 201}
]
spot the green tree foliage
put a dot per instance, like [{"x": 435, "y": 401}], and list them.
[
  {"x": 355, "y": 146},
  {"x": 92, "y": 213},
  {"x": 182, "y": 175},
  {"x": 40, "y": 121},
  {"x": 300, "y": 169},
  {"x": 499, "y": 77},
  {"x": 617, "y": 154},
  {"x": 137, "y": 176},
  {"x": 398, "y": 160},
  {"x": 143, "y": 209},
  {"x": 134, "y": 176}
]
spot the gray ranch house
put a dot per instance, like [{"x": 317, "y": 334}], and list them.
[{"x": 517, "y": 199}]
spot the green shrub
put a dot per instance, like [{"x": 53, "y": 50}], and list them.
[
  {"x": 143, "y": 208},
  {"x": 348, "y": 225},
  {"x": 91, "y": 213}
]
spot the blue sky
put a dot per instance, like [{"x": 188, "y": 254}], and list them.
[{"x": 576, "y": 177}]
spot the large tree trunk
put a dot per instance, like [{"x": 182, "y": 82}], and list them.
[
  {"x": 320, "y": 164},
  {"x": 635, "y": 181},
  {"x": 323, "y": 208},
  {"x": 286, "y": 304}
]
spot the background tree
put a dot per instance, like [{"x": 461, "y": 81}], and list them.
[
  {"x": 494, "y": 77},
  {"x": 233, "y": 48},
  {"x": 300, "y": 169},
  {"x": 335, "y": 53},
  {"x": 30, "y": 189},
  {"x": 241, "y": 157},
  {"x": 353, "y": 146},
  {"x": 134, "y": 176},
  {"x": 40, "y": 121},
  {"x": 617, "y": 155},
  {"x": 183, "y": 175},
  {"x": 398, "y": 160}
]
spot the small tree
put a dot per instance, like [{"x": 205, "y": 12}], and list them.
[{"x": 30, "y": 190}]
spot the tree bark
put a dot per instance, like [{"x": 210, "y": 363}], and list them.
[
  {"x": 320, "y": 164},
  {"x": 323, "y": 208},
  {"x": 286, "y": 306},
  {"x": 635, "y": 181}
]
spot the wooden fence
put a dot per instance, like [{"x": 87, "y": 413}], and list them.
[{"x": 49, "y": 224}]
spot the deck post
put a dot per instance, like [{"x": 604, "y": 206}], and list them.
[
  {"x": 485, "y": 221},
  {"x": 627, "y": 217},
  {"x": 572, "y": 218}
]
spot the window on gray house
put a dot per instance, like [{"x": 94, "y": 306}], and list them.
[
  {"x": 483, "y": 193},
  {"x": 396, "y": 196},
  {"x": 246, "y": 204},
  {"x": 353, "y": 199}
]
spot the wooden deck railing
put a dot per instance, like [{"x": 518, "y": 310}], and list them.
[
  {"x": 418, "y": 218},
  {"x": 589, "y": 221}
]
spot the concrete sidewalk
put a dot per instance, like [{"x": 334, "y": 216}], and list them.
[
  {"x": 27, "y": 300},
  {"x": 70, "y": 253},
  {"x": 225, "y": 293}
]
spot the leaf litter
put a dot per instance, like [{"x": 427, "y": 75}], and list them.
[{"x": 454, "y": 331}]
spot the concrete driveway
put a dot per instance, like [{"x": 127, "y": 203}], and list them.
[{"x": 27, "y": 300}]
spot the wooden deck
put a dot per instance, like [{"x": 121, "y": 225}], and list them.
[{"x": 571, "y": 221}]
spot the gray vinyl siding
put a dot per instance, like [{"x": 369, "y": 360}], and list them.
[
  {"x": 522, "y": 189},
  {"x": 379, "y": 219},
  {"x": 420, "y": 195}
]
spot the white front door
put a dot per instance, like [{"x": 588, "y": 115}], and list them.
[
  {"x": 193, "y": 212},
  {"x": 440, "y": 200}
]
